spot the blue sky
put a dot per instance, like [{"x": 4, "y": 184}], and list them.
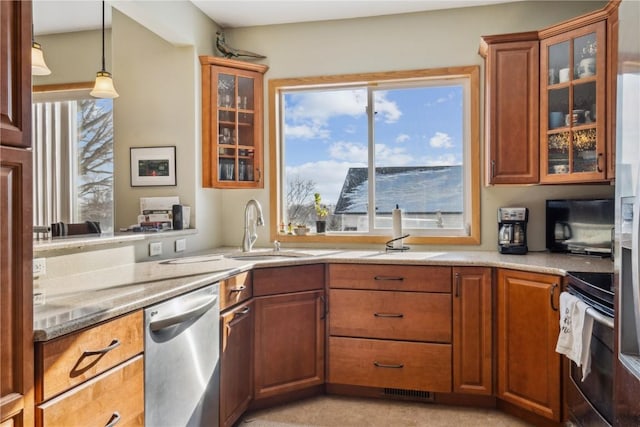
[{"x": 326, "y": 131}]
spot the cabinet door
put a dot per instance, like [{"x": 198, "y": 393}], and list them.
[
  {"x": 16, "y": 308},
  {"x": 511, "y": 108},
  {"x": 472, "y": 330},
  {"x": 15, "y": 69},
  {"x": 236, "y": 374},
  {"x": 528, "y": 327},
  {"x": 573, "y": 103},
  {"x": 289, "y": 343},
  {"x": 232, "y": 123}
]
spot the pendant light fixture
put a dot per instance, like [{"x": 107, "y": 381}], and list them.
[
  {"x": 104, "y": 83},
  {"x": 38, "y": 66}
]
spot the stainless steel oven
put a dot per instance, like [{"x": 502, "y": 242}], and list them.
[{"x": 590, "y": 402}]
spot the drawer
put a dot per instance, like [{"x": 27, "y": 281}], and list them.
[
  {"x": 280, "y": 280},
  {"x": 390, "y": 277},
  {"x": 390, "y": 364},
  {"x": 116, "y": 393},
  {"x": 235, "y": 290},
  {"x": 72, "y": 359},
  {"x": 409, "y": 316}
]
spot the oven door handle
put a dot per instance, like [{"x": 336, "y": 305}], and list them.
[{"x": 600, "y": 318}]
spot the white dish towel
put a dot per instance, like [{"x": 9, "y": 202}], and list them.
[{"x": 574, "y": 339}]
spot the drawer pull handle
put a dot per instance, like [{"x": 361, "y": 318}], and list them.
[
  {"x": 387, "y": 365},
  {"x": 115, "y": 343},
  {"x": 398, "y": 315},
  {"x": 115, "y": 418},
  {"x": 398, "y": 278},
  {"x": 238, "y": 288}
]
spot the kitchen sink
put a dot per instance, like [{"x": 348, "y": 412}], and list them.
[
  {"x": 194, "y": 259},
  {"x": 270, "y": 254}
]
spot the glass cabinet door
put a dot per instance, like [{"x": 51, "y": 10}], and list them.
[
  {"x": 572, "y": 140},
  {"x": 236, "y": 133}
]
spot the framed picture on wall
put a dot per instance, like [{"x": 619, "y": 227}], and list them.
[{"x": 153, "y": 166}]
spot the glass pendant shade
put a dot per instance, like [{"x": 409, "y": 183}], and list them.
[
  {"x": 104, "y": 86},
  {"x": 38, "y": 66},
  {"x": 104, "y": 83}
]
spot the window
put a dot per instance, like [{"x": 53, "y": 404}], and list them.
[
  {"x": 72, "y": 158},
  {"x": 369, "y": 142}
]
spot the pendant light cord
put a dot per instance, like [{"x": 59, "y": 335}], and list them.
[{"x": 103, "y": 65}]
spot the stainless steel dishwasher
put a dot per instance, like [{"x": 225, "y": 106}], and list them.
[{"x": 181, "y": 369}]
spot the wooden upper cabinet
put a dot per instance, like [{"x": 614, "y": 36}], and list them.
[
  {"x": 15, "y": 69},
  {"x": 511, "y": 108},
  {"x": 232, "y": 123},
  {"x": 16, "y": 288},
  {"x": 528, "y": 327},
  {"x": 573, "y": 106}
]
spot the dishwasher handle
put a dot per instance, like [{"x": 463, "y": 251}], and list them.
[{"x": 175, "y": 319}]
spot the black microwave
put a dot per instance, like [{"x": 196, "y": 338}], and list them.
[{"x": 582, "y": 226}]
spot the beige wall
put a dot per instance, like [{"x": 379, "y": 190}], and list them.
[
  {"x": 409, "y": 41},
  {"x": 73, "y": 57},
  {"x": 158, "y": 76}
]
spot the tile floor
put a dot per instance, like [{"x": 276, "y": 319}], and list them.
[{"x": 341, "y": 411}]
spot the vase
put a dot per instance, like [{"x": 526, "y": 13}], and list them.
[{"x": 321, "y": 226}]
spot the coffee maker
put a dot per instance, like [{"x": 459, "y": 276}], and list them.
[{"x": 512, "y": 230}]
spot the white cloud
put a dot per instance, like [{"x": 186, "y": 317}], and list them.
[
  {"x": 349, "y": 151},
  {"x": 396, "y": 156},
  {"x": 441, "y": 140},
  {"x": 387, "y": 110},
  {"x": 319, "y": 107},
  {"x": 403, "y": 137},
  {"x": 306, "y": 131},
  {"x": 328, "y": 176}
]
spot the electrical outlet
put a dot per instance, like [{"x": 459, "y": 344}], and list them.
[
  {"x": 39, "y": 266},
  {"x": 155, "y": 248},
  {"x": 181, "y": 245}
]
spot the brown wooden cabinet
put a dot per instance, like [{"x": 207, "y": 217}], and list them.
[
  {"x": 573, "y": 107},
  {"x": 232, "y": 123},
  {"x": 511, "y": 108},
  {"x": 289, "y": 336},
  {"x": 550, "y": 102},
  {"x": 16, "y": 287},
  {"x": 528, "y": 327},
  {"x": 93, "y": 374},
  {"x": 390, "y": 327},
  {"x": 472, "y": 330},
  {"x": 236, "y": 363}
]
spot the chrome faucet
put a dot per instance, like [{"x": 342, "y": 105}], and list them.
[{"x": 250, "y": 236}]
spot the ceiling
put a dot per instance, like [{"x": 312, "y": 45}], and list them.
[{"x": 59, "y": 16}]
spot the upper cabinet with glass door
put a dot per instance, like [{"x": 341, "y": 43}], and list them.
[
  {"x": 573, "y": 106},
  {"x": 232, "y": 120}
]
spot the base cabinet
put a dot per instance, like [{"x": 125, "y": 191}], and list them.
[
  {"x": 390, "y": 327},
  {"x": 236, "y": 360},
  {"x": 289, "y": 334},
  {"x": 472, "y": 330},
  {"x": 113, "y": 398},
  {"x": 92, "y": 377},
  {"x": 528, "y": 327}
]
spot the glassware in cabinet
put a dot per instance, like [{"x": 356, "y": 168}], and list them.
[
  {"x": 572, "y": 137},
  {"x": 232, "y": 123}
]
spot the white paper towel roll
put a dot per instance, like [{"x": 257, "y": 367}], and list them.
[{"x": 396, "y": 217}]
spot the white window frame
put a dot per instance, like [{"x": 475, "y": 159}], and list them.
[{"x": 467, "y": 75}]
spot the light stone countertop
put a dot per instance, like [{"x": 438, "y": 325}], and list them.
[{"x": 77, "y": 301}]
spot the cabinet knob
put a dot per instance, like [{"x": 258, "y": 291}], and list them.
[{"x": 551, "y": 295}]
